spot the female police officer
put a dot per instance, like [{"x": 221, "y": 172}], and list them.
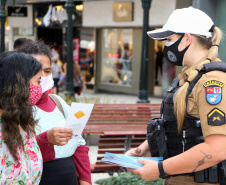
[{"x": 198, "y": 98}]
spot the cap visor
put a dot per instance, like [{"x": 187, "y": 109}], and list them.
[{"x": 160, "y": 34}]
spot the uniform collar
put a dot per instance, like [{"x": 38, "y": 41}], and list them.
[{"x": 183, "y": 76}]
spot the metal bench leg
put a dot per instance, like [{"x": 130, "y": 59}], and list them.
[
  {"x": 87, "y": 137},
  {"x": 110, "y": 172},
  {"x": 128, "y": 143}
]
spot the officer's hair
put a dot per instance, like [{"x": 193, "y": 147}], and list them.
[{"x": 180, "y": 100}]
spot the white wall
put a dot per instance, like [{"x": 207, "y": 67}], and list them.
[{"x": 100, "y": 14}]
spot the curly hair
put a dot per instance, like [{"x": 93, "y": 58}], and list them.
[
  {"x": 36, "y": 48},
  {"x": 20, "y": 42},
  {"x": 16, "y": 70}
]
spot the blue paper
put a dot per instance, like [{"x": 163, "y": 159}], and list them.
[{"x": 126, "y": 161}]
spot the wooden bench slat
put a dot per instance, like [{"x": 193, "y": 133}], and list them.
[
  {"x": 126, "y": 105},
  {"x": 104, "y": 168},
  {"x": 136, "y": 111},
  {"x": 117, "y": 123},
  {"x": 102, "y": 136},
  {"x": 116, "y": 118},
  {"x": 115, "y": 151},
  {"x": 113, "y": 141},
  {"x": 112, "y": 146},
  {"x": 126, "y": 132}
]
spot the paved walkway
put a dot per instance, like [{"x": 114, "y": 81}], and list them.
[
  {"x": 93, "y": 157},
  {"x": 90, "y": 97}
]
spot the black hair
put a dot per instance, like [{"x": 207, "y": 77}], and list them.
[
  {"x": 16, "y": 70},
  {"x": 36, "y": 48},
  {"x": 19, "y": 43},
  {"x": 12, "y": 62}
]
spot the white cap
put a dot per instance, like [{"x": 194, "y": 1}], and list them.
[{"x": 185, "y": 20}]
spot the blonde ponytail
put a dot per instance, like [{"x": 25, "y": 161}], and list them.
[{"x": 180, "y": 100}]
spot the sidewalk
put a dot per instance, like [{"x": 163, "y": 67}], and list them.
[
  {"x": 90, "y": 97},
  {"x": 93, "y": 157}
]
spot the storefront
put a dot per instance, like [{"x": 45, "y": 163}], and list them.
[
  {"x": 118, "y": 26},
  {"x": 19, "y": 23},
  {"x": 47, "y": 21}
]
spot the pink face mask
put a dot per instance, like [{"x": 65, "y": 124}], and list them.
[{"x": 35, "y": 93}]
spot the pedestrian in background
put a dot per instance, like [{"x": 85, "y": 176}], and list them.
[
  {"x": 191, "y": 133},
  {"x": 78, "y": 81},
  {"x": 20, "y": 156},
  {"x": 66, "y": 160},
  {"x": 56, "y": 74}
]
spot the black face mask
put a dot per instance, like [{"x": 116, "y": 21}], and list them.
[{"x": 172, "y": 54}]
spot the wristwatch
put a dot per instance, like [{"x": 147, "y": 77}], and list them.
[{"x": 161, "y": 170}]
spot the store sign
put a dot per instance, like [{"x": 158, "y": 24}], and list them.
[
  {"x": 123, "y": 12},
  {"x": 17, "y": 11}
]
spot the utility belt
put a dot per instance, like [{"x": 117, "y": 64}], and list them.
[{"x": 157, "y": 141}]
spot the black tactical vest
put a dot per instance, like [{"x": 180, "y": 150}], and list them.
[{"x": 191, "y": 133}]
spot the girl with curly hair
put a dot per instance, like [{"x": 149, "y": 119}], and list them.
[{"x": 20, "y": 156}]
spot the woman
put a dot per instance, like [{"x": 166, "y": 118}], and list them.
[
  {"x": 63, "y": 157},
  {"x": 78, "y": 81},
  {"x": 56, "y": 74},
  {"x": 198, "y": 96},
  {"x": 20, "y": 156}
]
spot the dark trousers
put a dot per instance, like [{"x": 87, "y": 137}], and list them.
[
  {"x": 56, "y": 80},
  {"x": 59, "y": 172}
]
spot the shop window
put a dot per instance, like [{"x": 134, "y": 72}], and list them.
[{"x": 116, "y": 64}]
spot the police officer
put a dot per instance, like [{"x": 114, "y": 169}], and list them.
[{"x": 194, "y": 106}]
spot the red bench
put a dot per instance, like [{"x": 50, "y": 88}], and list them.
[{"x": 121, "y": 127}]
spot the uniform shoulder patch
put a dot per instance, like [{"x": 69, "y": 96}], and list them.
[
  {"x": 216, "y": 117},
  {"x": 213, "y": 91}
]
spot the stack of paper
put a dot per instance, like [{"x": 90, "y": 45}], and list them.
[{"x": 126, "y": 161}]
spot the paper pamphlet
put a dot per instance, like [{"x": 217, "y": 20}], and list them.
[
  {"x": 126, "y": 161},
  {"x": 78, "y": 117}
]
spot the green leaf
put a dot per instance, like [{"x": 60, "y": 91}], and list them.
[
  {"x": 35, "y": 149},
  {"x": 127, "y": 178},
  {"x": 9, "y": 163},
  {"x": 7, "y": 172},
  {"x": 21, "y": 182},
  {"x": 23, "y": 177},
  {"x": 7, "y": 159}
]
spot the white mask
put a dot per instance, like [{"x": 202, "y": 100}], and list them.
[{"x": 47, "y": 83}]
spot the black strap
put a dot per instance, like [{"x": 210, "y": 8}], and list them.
[
  {"x": 224, "y": 166},
  {"x": 57, "y": 102},
  {"x": 161, "y": 170},
  {"x": 212, "y": 66}
]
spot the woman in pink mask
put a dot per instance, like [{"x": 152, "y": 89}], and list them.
[
  {"x": 20, "y": 156},
  {"x": 66, "y": 160}
]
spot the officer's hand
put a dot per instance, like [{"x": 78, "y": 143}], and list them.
[
  {"x": 138, "y": 152},
  {"x": 135, "y": 152},
  {"x": 148, "y": 172},
  {"x": 59, "y": 135}
]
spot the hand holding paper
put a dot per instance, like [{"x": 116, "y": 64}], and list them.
[
  {"x": 78, "y": 117},
  {"x": 126, "y": 161}
]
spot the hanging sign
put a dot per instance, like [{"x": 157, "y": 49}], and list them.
[
  {"x": 17, "y": 11},
  {"x": 123, "y": 12}
]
